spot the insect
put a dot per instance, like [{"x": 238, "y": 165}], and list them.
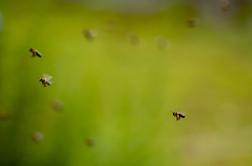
[
  {"x": 178, "y": 115},
  {"x": 192, "y": 22},
  {"x": 57, "y": 105},
  {"x": 46, "y": 80},
  {"x": 225, "y": 5},
  {"x": 4, "y": 116},
  {"x": 35, "y": 52},
  {"x": 37, "y": 137},
  {"x": 89, "y": 142},
  {"x": 89, "y": 34},
  {"x": 133, "y": 39},
  {"x": 161, "y": 42}
]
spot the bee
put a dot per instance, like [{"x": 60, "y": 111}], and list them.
[
  {"x": 192, "y": 22},
  {"x": 133, "y": 39},
  {"x": 89, "y": 34},
  {"x": 225, "y": 5},
  {"x": 57, "y": 105},
  {"x": 178, "y": 115},
  {"x": 35, "y": 52},
  {"x": 4, "y": 116},
  {"x": 89, "y": 142},
  {"x": 37, "y": 137},
  {"x": 161, "y": 42},
  {"x": 46, "y": 80}
]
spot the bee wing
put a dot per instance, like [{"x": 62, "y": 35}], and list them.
[
  {"x": 38, "y": 54},
  {"x": 49, "y": 78},
  {"x": 49, "y": 82},
  {"x": 181, "y": 114}
]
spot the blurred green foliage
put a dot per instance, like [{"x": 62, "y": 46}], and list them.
[{"x": 116, "y": 98}]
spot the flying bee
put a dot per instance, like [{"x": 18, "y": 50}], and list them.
[
  {"x": 57, "y": 105},
  {"x": 37, "y": 137},
  {"x": 4, "y": 116},
  {"x": 192, "y": 22},
  {"x": 161, "y": 42},
  {"x": 89, "y": 142},
  {"x": 89, "y": 34},
  {"x": 178, "y": 115},
  {"x": 46, "y": 80},
  {"x": 225, "y": 5},
  {"x": 35, "y": 52},
  {"x": 133, "y": 39}
]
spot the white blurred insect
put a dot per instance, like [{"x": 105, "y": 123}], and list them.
[{"x": 37, "y": 137}]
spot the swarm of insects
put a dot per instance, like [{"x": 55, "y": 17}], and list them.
[
  {"x": 46, "y": 80},
  {"x": 178, "y": 115},
  {"x": 37, "y": 137},
  {"x": 89, "y": 34},
  {"x": 35, "y": 52}
]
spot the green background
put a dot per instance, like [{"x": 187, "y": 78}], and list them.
[{"x": 122, "y": 95}]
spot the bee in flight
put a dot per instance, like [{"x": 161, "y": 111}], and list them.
[
  {"x": 192, "y": 22},
  {"x": 89, "y": 34},
  {"x": 37, "y": 137},
  {"x": 46, "y": 80},
  {"x": 178, "y": 115},
  {"x": 225, "y": 5},
  {"x": 35, "y": 52},
  {"x": 89, "y": 142}
]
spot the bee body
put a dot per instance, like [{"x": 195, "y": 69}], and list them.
[
  {"x": 178, "y": 115},
  {"x": 46, "y": 80},
  {"x": 35, "y": 53}
]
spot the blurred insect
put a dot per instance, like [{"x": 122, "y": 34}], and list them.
[
  {"x": 192, "y": 22},
  {"x": 46, "y": 80},
  {"x": 133, "y": 39},
  {"x": 35, "y": 53},
  {"x": 110, "y": 25},
  {"x": 89, "y": 34},
  {"x": 37, "y": 137},
  {"x": 1, "y": 22},
  {"x": 162, "y": 42},
  {"x": 4, "y": 116},
  {"x": 225, "y": 5},
  {"x": 57, "y": 105},
  {"x": 89, "y": 142},
  {"x": 178, "y": 115}
]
